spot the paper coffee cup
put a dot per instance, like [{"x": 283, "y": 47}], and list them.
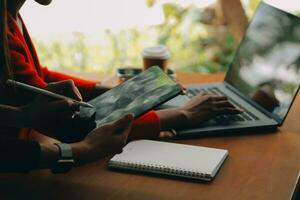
[{"x": 156, "y": 56}]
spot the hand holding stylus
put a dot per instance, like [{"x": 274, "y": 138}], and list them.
[{"x": 45, "y": 92}]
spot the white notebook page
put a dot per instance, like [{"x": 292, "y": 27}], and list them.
[{"x": 177, "y": 156}]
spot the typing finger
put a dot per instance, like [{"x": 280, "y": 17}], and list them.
[
  {"x": 227, "y": 110},
  {"x": 222, "y": 104}
]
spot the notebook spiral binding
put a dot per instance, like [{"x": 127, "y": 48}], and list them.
[{"x": 158, "y": 169}]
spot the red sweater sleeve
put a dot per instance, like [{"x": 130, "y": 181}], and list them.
[
  {"x": 24, "y": 70},
  {"x": 146, "y": 127},
  {"x": 22, "y": 67},
  {"x": 26, "y": 66}
]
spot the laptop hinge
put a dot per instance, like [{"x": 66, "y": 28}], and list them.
[{"x": 258, "y": 107}]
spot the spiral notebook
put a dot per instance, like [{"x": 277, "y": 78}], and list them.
[{"x": 187, "y": 161}]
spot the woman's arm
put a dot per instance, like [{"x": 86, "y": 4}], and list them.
[
  {"x": 99, "y": 143},
  {"x": 23, "y": 156},
  {"x": 199, "y": 109},
  {"x": 11, "y": 116},
  {"x": 29, "y": 71}
]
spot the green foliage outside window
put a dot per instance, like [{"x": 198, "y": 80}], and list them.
[{"x": 194, "y": 46}]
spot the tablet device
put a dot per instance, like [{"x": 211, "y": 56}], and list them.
[{"x": 138, "y": 95}]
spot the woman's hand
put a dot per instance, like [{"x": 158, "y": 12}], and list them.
[
  {"x": 205, "y": 106},
  {"x": 103, "y": 141},
  {"x": 44, "y": 113},
  {"x": 66, "y": 88},
  {"x": 199, "y": 109}
]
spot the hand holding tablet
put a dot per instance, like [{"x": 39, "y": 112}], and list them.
[{"x": 138, "y": 95}]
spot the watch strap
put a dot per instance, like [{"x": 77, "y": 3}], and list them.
[
  {"x": 65, "y": 150},
  {"x": 65, "y": 161}
]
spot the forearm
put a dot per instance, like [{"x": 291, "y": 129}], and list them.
[
  {"x": 12, "y": 116},
  {"x": 24, "y": 156},
  {"x": 50, "y": 154},
  {"x": 173, "y": 118}
]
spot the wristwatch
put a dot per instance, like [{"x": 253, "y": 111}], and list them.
[{"x": 65, "y": 161}]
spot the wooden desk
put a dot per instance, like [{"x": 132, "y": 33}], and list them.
[{"x": 260, "y": 166}]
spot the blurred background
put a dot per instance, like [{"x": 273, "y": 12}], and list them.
[{"x": 97, "y": 37}]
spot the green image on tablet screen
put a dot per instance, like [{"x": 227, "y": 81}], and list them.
[{"x": 137, "y": 95}]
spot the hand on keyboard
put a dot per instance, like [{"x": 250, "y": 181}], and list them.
[{"x": 203, "y": 107}]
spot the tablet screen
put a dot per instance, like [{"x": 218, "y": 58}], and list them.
[{"x": 137, "y": 95}]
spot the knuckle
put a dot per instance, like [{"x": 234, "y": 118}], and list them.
[
  {"x": 213, "y": 103},
  {"x": 210, "y": 98},
  {"x": 206, "y": 98},
  {"x": 68, "y": 102},
  {"x": 68, "y": 83}
]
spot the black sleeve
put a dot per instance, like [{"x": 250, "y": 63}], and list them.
[{"x": 19, "y": 155}]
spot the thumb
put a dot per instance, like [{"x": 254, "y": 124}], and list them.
[{"x": 124, "y": 123}]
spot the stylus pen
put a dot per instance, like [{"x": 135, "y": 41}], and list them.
[{"x": 45, "y": 92}]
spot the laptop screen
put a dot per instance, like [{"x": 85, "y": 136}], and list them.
[{"x": 266, "y": 67}]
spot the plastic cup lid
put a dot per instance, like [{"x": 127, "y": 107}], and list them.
[{"x": 158, "y": 52}]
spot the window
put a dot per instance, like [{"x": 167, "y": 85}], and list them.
[{"x": 96, "y": 36}]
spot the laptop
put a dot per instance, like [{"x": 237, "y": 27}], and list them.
[{"x": 263, "y": 78}]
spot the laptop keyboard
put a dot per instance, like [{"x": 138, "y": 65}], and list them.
[{"x": 245, "y": 116}]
